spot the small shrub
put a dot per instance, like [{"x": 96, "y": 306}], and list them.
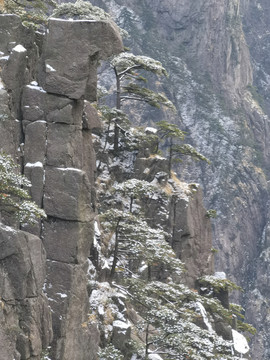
[{"x": 110, "y": 353}]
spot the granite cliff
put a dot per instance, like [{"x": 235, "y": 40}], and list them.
[{"x": 43, "y": 128}]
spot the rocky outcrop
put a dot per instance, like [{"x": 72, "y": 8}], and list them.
[
  {"x": 191, "y": 233},
  {"x": 91, "y": 42},
  {"x": 187, "y": 222},
  {"x": 16, "y": 44},
  {"x": 177, "y": 208},
  {"x": 43, "y": 116},
  {"x": 25, "y": 315},
  {"x": 189, "y": 227}
]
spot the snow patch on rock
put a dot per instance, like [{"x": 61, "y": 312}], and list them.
[
  {"x": 19, "y": 48},
  {"x": 240, "y": 342},
  {"x": 36, "y": 164}
]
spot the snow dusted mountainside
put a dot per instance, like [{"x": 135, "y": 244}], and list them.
[
  {"x": 216, "y": 53},
  {"x": 129, "y": 268}
]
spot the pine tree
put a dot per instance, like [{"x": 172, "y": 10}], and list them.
[
  {"x": 128, "y": 66},
  {"x": 135, "y": 189},
  {"x": 128, "y": 69},
  {"x": 110, "y": 353},
  {"x": 172, "y": 136},
  {"x": 172, "y": 314},
  {"x": 80, "y": 10},
  {"x": 33, "y": 12}
]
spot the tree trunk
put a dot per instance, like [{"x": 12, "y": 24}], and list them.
[
  {"x": 170, "y": 157},
  {"x": 147, "y": 345},
  {"x": 116, "y": 137},
  {"x": 115, "y": 253},
  {"x": 131, "y": 204},
  {"x": 118, "y": 106},
  {"x": 118, "y": 90}
]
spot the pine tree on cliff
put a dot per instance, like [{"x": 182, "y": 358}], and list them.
[
  {"x": 81, "y": 10},
  {"x": 169, "y": 311},
  {"x": 32, "y": 12},
  {"x": 173, "y": 138},
  {"x": 127, "y": 66},
  {"x": 128, "y": 69}
]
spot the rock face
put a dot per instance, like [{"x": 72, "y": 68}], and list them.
[
  {"x": 191, "y": 233},
  {"x": 24, "y": 312},
  {"x": 12, "y": 33},
  {"x": 53, "y": 132},
  {"x": 187, "y": 221},
  {"x": 71, "y": 78},
  {"x": 256, "y": 27}
]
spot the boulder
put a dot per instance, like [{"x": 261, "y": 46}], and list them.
[
  {"x": 86, "y": 40},
  {"x": 91, "y": 120},
  {"x": 146, "y": 168},
  {"x": 67, "y": 194},
  {"x": 121, "y": 334},
  {"x": 67, "y": 241},
  {"x": 35, "y": 173},
  {"x": 64, "y": 146},
  {"x": 35, "y": 142},
  {"x": 12, "y": 74},
  {"x": 64, "y": 115},
  {"x": 37, "y": 104}
]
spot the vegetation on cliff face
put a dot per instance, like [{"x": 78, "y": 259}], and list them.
[
  {"x": 33, "y": 13},
  {"x": 145, "y": 295},
  {"x": 80, "y": 10},
  {"x": 14, "y": 196},
  {"x": 127, "y": 68},
  {"x": 173, "y": 138},
  {"x": 138, "y": 262},
  {"x": 211, "y": 70}
]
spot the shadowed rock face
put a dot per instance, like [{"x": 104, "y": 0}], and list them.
[
  {"x": 53, "y": 127},
  {"x": 256, "y": 24},
  {"x": 25, "y": 316}
]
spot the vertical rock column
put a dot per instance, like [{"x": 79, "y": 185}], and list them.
[
  {"x": 17, "y": 50},
  {"x": 60, "y": 161},
  {"x": 191, "y": 236},
  {"x": 25, "y": 317}
]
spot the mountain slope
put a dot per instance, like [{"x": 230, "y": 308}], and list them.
[{"x": 204, "y": 47}]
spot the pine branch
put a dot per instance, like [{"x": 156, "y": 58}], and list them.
[{"x": 124, "y": 72}]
